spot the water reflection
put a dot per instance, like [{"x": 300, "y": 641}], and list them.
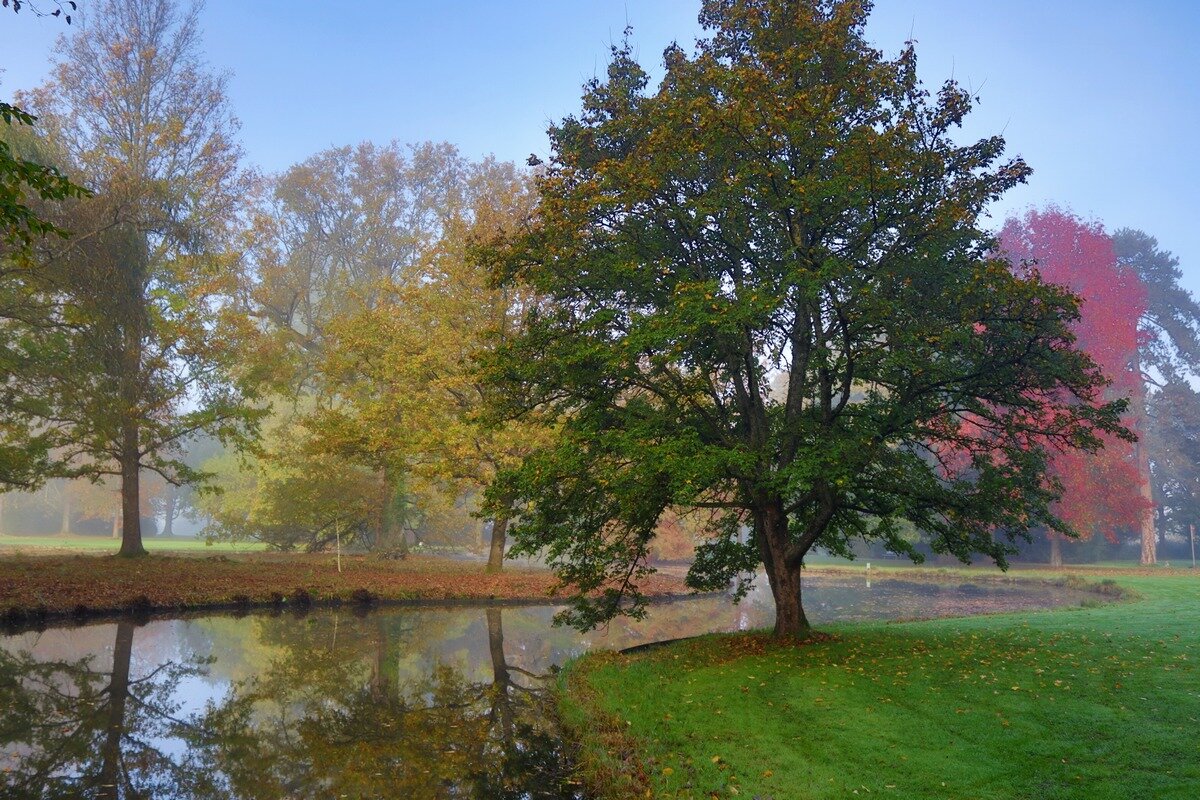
[
  {"x": 325, "y": 706},
  {"x": 447, "y": 702},
  {"x": 82, "y": 727}
]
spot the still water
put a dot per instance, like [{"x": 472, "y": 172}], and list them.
[{"x": 399, "y": 702}]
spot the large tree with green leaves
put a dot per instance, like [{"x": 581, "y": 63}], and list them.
[
  {"x": 1174, "y": 439},
  {"x": 142, "y": 289},
  {"x": 788, "y": 206}
]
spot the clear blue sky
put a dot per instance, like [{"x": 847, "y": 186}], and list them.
[{"x": 1102, "y": 97}]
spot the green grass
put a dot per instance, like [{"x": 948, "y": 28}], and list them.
[
  {"x": 105, "y": 544},
  {"x": 1096, "y": 702}
]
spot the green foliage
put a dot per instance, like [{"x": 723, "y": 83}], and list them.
[
  {"x": 1174, "y": 442},
  {"x": 24, "y": 184},
  {"x": 787, "y": 207},
  {"x": 291, "y": 494},
  {"x": 20, "y": 224},
  {"x": 1171, "y": 323}
]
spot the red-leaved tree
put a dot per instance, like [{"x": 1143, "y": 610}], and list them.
[{"x": 1103, "y": 492}]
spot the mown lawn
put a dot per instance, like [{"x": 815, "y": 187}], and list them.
[
  {"x": 1097, "y": 702},
  {"x": 106, "y": 544}
]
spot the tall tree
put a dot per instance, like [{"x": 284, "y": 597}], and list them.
[
  {"x": 331, "y": 241},
  {"x": 1102, "y": 492},
  {"x": 145, "y": 125},
  {"x": 1170, "y": 350},
  {"x": 1174, "y": 416},
  {"x": 405, "y": 373},
  {"x": 338, "y": 229},
  {"x": 786, "y": 201}
]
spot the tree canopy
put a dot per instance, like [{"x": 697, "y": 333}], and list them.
[
  {"x": 140, "y": 293},
  {"x": 1103, "y": 492},
  {"x": 786, "y": 207}
]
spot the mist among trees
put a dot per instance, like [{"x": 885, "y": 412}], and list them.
[{"x": 734, "y": 320}]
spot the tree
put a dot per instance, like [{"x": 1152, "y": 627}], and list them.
[
  {"x": 290, "y": 493},
  {"x": 335, "y": 231},
  {"x": 1174, "y": 415},
  {"x": 786, "y": 201},
  {"x": 1170, "y": 347},
  {"x": 406, "y": 386},
  {"x": 331, "y": 242},
  {"x": 142, "y": 286},
  {"x": 21, "y": 177},
  {"x": 1102, "y": 492}
]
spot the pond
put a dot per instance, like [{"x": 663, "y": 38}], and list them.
[{"x": 397, "y": 702}]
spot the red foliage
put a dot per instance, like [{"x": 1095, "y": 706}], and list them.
[{"x": 1102, "y": 491}]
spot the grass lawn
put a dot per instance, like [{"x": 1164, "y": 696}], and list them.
[
  {"x": 106, "y": 544},
  {"x": 1097, "y": 702}
]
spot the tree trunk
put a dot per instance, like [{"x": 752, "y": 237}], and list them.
[
  {"x": 772, "y": 532},
  {"x": 169, "y": 511},
  {"x": 118, "y": 693},
  {"x": 379, "y": 682},
  {"x": 1148, "y": 533},
  {"x": 131, "y": 498},
  {"x": 3, "y": 502},
  {"x": 1055, "y": 551},
  {"x": 391, "y": 538},
  {"x": 499, "y": 534},
  {"x": 64, "y": 525},
  {"x": 129, "y": 447},
  {"x": 495, "y": 624}
]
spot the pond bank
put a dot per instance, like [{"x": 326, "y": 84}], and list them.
[
  {"x": 40, "y": 589},
  {"x": 36, "y": 589},
  {"x": 1081, "y": 702},
  {"x": 378, "y": 699}
]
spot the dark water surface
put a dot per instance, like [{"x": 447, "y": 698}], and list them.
[{"x": 412, "y": 702}]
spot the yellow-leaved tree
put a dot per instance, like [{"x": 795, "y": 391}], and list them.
[{"x": 402, "y": 384}]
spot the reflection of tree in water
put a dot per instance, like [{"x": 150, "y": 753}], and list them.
[
  {"x": 350, "y": 725},
  {"x": 338, "y": 708},
  {"x": 72, "y": 730}
]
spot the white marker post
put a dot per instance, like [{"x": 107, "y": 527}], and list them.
[{"x": 337, "y": 532}]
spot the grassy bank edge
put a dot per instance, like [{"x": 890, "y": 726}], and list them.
[{"x": 608, "y": 757}]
